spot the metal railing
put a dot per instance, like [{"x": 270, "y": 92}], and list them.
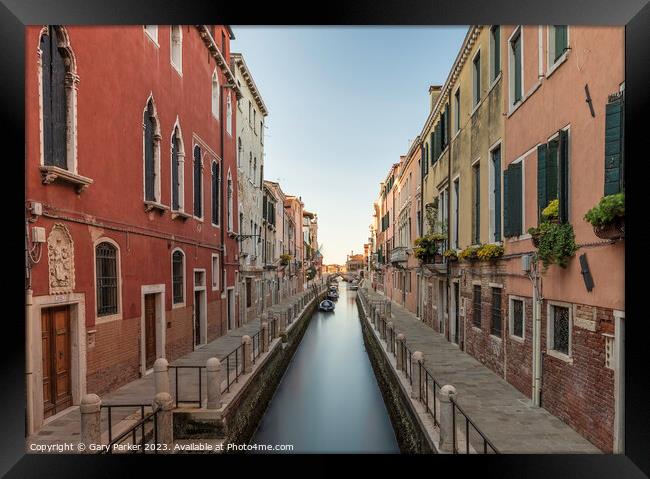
[
  {"x": 430, "y": 391},
  {"x": 199, "y": 370},
  {"x": 142, "y": 433},
  {"x": 235, "y": 358}
]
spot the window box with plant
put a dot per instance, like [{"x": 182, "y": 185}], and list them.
[
  {"x": 285, "y": 259},
  {"x": 451, "y": 255},
  {"x": 608, "y": 217},
  {"x": 489, "y": 252},
  {"x": 427, "y": 248},
  {"x": 469, "y": 254},
  {"x": 555, "y": 241}
]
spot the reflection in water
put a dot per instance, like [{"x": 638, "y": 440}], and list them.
[{"x": 328, "y": 399}]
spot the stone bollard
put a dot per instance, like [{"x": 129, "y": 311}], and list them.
[
  {"x": 399, "y": 353},
  {"x": 247, "y": 343},
  {"x": 447, "y": 393},
  {"x": 264, "y": 336},
  {"x": 375, "y": 321},
  {"x": 161, "y": 375},
  {"x": 213, "y": 373},
  {"x": 417, "y": 360},
  {"x": 389, "y": 336},
  {"x": 90, "y": 409},
  {"x": 163, "y": 403}
]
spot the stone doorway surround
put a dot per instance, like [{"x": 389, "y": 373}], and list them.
[
  {"x": 77, "y": 304},
  {"x": 161, "y": 326}
]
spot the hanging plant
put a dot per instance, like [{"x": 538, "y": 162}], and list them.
[
  {"x": 451, "y": 255},
  {"x": 489, "y": 252},
  {"x": 285, "y": 259},
  {"x": 426, "y": 248},
  {"x": 556, "y": 243}
]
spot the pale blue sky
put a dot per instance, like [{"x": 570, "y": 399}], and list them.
[{"x": 343, "y": 104}]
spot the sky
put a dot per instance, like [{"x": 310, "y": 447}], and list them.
[{"x": 344, "y": 104}]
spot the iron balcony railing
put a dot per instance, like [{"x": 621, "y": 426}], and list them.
[{"x": 143, "y": 434}]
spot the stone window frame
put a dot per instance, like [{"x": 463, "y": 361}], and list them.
[
  {"x": 551, "y": 63},
  {"x": 511, "y": 323},
  {"x": 215, "y": 285},
  {"x": 229, "y": 115},
  {"x": 513, "y": 105},
  {"x": 118, "y": 258},
  {"x": 54, "y": 173},
  {"x": 492, "y": 287},
  {"x": 177, "y": 131},
  {"x": 216, "y": 95},
  {"x": 549, "y": 331},
  {"x": 152, "y": 36},
  {"x": 202, "y": 159},
  {"x": 157, "y": 137},
  {"x": 176, "y": 43}
]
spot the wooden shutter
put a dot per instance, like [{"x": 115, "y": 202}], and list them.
[
  {"x": 563, "y": 176},
  {"x": 507, "y": 229},
  {"x": 197, "y": 182},
  {"x": 175, "y": 175},
  {"x": 542, "y": 198},
  {"x": 496, "y": 159},
  {"x": 215, "y": 193},
  {"x": 560, "y": 40},
  {"x": 496, "y": 35},
  {"x": 515, "y": 198},
  {"x": 614, "y": 112},
  {"x": 517, "y": 55},
  {"x": 46, "y": 61},
  {"x": 552, "y": 171},
  {"x": 149, "y": 173},
  {"x": 433, "y": 147}
]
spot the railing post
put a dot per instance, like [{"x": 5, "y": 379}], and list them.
[
  {"x": 387, "y": 309},
  {"x": 389, "y": 337},
  {"x": 161, "y": 375},
  {"x": 447, "y": 393},
  {"x": 264, "y": 336},
  {"x": 382, "y": 330},
  {"x": 213, "y": 373},
  {"x": 90, "y": 409},
  {"x": 400, "y": 354},
  {"x": 246, "y": 344},
  {"x": 375, "y": 320},
  {"x": 417, "y": 361},
  {"x": 162, "y": 403}
]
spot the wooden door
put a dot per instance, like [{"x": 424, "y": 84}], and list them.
[
  {"x": 57, "y": 383},
  {"x": 150, "y": 330}
]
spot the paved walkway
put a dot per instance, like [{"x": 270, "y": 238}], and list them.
[
  {"x": 66, "y": 428},
  {"x": 503, "y": 413}
]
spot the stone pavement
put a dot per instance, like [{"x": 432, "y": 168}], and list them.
[
  {"x": 66, "y": 428},
  {"x": 504, "y": 414}
]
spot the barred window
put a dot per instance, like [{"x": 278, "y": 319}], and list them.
[
  {"x": 560, "y": 329},
  {"x": 496, "y": 312},
  {"x": 476, "y": 318},
  {"x": 106, "y": 271},
  {"x": 178, "y": 277}
]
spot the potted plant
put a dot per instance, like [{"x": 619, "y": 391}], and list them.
[
  {"x": 451, "y": 255},
  {"x": 469, "y": 254},
  {"x": 556, "y": 243},
  {"x": 285, "y": 259},
  {"x": 551, "y": 213},
  {"x": 426, "y": 249},
  {"x": 608, "y": 217},
  {"x": 489, "y": 252}
]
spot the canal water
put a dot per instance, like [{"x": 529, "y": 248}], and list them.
[{"x": 328, "y": 400}]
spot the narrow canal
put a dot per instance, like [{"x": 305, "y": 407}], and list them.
[{"x": 328, "y": 400}]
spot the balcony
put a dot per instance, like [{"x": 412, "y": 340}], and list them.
[{"x": 399, "y": 255}]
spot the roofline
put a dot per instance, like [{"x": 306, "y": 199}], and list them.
[
  {"x": 205, "y": 34},
  {"x": 230, "y": 32},
  {"x": 238, "y": 61}
]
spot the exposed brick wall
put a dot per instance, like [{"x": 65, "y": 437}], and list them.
[
  {"x": 214, "y": 319},
  {"x": 581, "y": 393},
  {"x": 519, "y": 353},
  {"x": 180, "y": 336},
  {"x": 114, "y": 360}
]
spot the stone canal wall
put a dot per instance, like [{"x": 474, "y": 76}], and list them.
[{"x": 411, "y": 433}]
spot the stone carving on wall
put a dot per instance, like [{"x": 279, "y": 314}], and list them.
[{"x": 60, "y": 255}]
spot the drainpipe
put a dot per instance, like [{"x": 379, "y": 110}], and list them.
[
  {"x": 537, "y": 337},
  {"x": 448, "y": 234},
  {"x": 29, "y": 373}
]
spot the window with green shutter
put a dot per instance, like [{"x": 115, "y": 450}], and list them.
[
  {"x": 432, "y": 142},
  {"x": 563, "y": 176},
  {"x": 512, "y": 195},
  {"x": 515, "y": 46},
  {"x": 476, "y": 213},
  {"x": 614, "y": 133},
  {"x": 553, "y": 175},
  {"x": 560, "y": 41}
]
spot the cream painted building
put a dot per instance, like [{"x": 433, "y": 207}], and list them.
[{"x": 250, "y": 173}]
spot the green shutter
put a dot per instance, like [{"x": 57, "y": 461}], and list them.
[
  {"x": 515, "y": 199},
  {"x": 614, "y": 146},
  {"x": 432, "y": 151},
  {"x": 507, "y": 230},
  {"x": 551, "y": 171},
  {"x": 563, "y": 176},
  {"x": 517, "y": 72},
  {"x": 560, "y": 40},
  {"x": 542, "y": 200}
]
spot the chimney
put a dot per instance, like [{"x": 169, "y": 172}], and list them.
[{"x": 434, "y": 93}]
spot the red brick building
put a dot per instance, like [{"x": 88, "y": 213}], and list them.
[{"x": 131, "y": 203}]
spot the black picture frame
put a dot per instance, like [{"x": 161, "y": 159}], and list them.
[{"x": 634, "y": 14}]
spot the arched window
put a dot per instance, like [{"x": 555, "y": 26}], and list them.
[
  {"x": 106, "y": 280},
  {"x": 216, "y": 190},
  {"x": 151, "y": 153},
  {"x": 215, "y": 95},
  {"x": 230, "y": 199},
  {"x": 229, "y": 115},
  {"x": 59, "y": 83},
  {"x": 198, "y": 183},
  {"x": 178, "y": 160},
  {"x": 178, "y": 277},
  {"x": 177, "y": 48}
]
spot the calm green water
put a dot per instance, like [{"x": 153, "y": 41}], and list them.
[{"x": 328, "y": 400}]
